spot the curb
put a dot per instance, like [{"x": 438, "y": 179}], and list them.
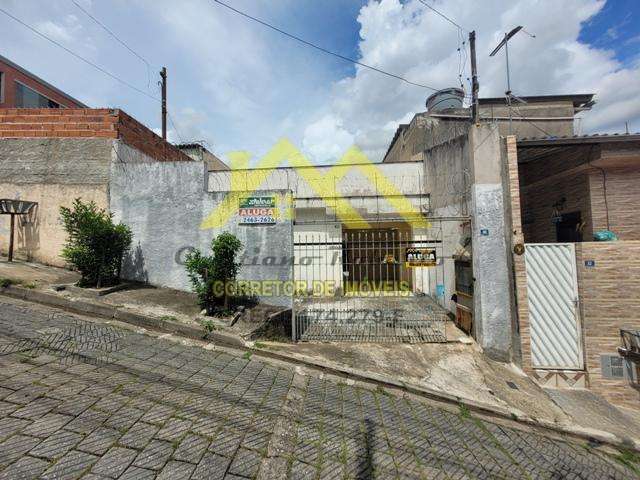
[
  {"x": 114, "y": 313},
  {"x": 232, "y": 341}
]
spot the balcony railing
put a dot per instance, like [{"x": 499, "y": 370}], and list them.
[{"x": 630, "y": 347}]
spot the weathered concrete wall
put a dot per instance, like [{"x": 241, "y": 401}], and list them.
[
  {"x": 52, "y": 172},
  {"x": 424, "y": 132},
  {"x": 493, "y": 292},
  {"x": 165, "y": 205},
  {"x": 533, "y": 119},
  {"x": 448, "y": 181}
]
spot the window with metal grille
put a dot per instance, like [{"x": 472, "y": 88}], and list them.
[{"x": 617, "y": 367}]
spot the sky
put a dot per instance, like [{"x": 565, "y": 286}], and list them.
[{"x": 240, "y": 86}]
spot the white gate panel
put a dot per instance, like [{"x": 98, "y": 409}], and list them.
[{"x": 552, "y": 290}]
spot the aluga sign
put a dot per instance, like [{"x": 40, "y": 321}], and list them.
[{"x": 257, "y": 210}]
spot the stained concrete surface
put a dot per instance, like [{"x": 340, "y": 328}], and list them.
[{"x": 601, "y": 415}]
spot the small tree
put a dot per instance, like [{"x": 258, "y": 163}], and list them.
[
  {"x": 95, "y": 245},
  {"x": 211, "y": 275}
]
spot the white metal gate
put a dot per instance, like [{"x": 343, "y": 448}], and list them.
[{"x": 554, "y": 313}]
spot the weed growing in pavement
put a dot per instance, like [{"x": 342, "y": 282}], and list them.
[
  {"x": 168, "y": 318},
  {"x": 629, "y": 459},
  {"x": 247, "y": 355},
  {"x": 464, "y": 411},
  {"x": 29, "y": 285},
  {"x": 208, "y": 327},
  {"x": 5, "y": 282}
]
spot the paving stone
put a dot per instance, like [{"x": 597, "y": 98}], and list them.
[
  {"x": 73, "y": 465},
  {"x": 226, "y": 442},
  {"x": 139, "y": 435},
  {"x": 176, "y": 471},
  {"x": 174, "y": 429},
  {"x": 87, "y": 421},
  {"x": 124, "y": 418},
  {"x": 26, "y": 468},
  {"x": 154, "y": 455},
  {"x": 245, "y": 463},
  {"x": 6, "y": 408},
  {"x": 302, "y": 471},
  {"x": 75, "y": 405},
  {"x": 213, "y": 416},
  {"x": 14, "y": 447},
  {"x": 158, "y": 414},
  {"x": 36, "y": 408},
  {"x": 135, "y": 473},
  {"x": 11, "y": 425},
  {"x": 211, "y": 467},
  {"x": 191, "y": 448},
  {"x": 114, "y": 462},
  {"x": 56, "y": 445},
  {"x": 47, "y": 425},
  {"x": 99, "y": 441},
  {"x": 26, "y": 394}
]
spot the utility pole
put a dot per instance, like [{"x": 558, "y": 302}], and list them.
[
  {"x": 475, "y": 106},
  {"x": 163, "y": 75}
]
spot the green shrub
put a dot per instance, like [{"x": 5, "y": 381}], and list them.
[
  {"x": 5, "y": 282},
  {"x": 210, "y": 275},
  {"x": 95, "y": 245}
]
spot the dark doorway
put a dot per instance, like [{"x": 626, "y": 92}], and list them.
[{"x": 569, "y": 228}]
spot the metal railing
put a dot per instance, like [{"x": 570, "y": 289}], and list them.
[{"x": 630, "y": 347}]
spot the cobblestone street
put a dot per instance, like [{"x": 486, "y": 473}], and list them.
[{"x": 87, "y": 400}]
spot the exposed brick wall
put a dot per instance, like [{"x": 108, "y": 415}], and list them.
[
  {"x": 136, "y": 135},
  {"x": 58, "y": 122},
  {"x": 13, "y": 75},
  {"x": 86, "y": 123},
  {"x": 609, "y": 297}
]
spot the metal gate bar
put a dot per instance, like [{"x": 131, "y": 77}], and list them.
[{"x": 377, "y": 296}]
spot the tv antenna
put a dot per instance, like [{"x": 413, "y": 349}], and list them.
[{"x": 505, "y": 43}]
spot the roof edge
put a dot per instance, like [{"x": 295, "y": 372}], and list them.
[{"x": 43, "y": 82}]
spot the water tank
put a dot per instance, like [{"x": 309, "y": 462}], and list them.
[{"x": 444, "y": 99}]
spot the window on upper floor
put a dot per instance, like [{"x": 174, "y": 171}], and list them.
[
  {"x": 28, "y": 98},
  {"x": 1, "y": 87}
]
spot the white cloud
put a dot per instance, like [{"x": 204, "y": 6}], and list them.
[
  {"x": 326, "y": 139},
  {"x": 413, "y": 42},
  {"x": 67, "y": 31}
]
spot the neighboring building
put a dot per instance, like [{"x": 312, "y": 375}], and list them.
[
  {"x": 575, "y": 296},
  {"x": 20, "y": 88},
  {"x": 56, "y": 155},
  {"x": 530, "y": 282},
  {"x": 200, "y": 153},
  {"x": 548, "y": 115}
]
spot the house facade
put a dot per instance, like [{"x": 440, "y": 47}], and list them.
[{"x": 20, "y": 88}]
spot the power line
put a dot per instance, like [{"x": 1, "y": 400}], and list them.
[
  {"x": 174, "y": 127},
  {"x": 322, "y": 49},
  {"x": 443, "y": 15},
  {"x": 105, "y": 28},
  {"x": 79, "y": 57},
  {"x": 517, "y": 110}
]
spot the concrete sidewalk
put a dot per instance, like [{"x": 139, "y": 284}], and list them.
[{"x": 456, "y": 371}]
